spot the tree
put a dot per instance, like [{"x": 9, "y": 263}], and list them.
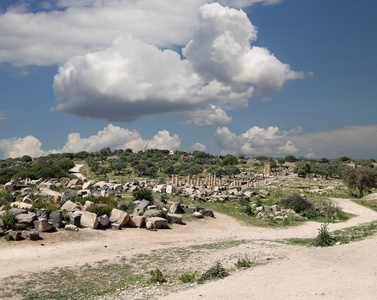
[
  {"x": 302, "y": 169},
  {"x": 360, "y": 178},
  {"x": 229, "y": 160},
  {"x": 290, "y": 158}
]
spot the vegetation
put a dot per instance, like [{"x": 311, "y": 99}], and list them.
[
  {"x": 361, "y": 178},
  {"x": 157, "y": 276},
  {"x": 244, "y": 262},
  {"x": 215, "y": 272}
]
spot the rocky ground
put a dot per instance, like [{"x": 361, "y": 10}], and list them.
[{"x": 293, "y": 272}]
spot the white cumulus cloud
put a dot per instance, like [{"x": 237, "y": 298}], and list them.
[
  {"x": 111, "y": 136},
  {"x": 18, "y": 147},
  {"x": 197, "y": 147},
  {"x": 256, "y": 141},
  {"x": 132, "y": 78}
]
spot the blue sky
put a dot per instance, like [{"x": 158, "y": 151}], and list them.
[{"x": 84, "y": 75}]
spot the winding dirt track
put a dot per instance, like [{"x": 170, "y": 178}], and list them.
[{"x": 340, "y": 272}]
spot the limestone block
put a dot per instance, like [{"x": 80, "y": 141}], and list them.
[
  {"x": 157, "y": 222},
  {"x": 89, "y": 219},
  {"x": 119, "y": 216},
  {"x": 136, "y": 221},
  {"x": 26, "y": 218},
  {"x": 42, "y": 225}
]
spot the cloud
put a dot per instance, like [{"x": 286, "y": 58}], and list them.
[
  {"x": 78, "y": 27},
  {"x": 220, "y": 49},
  {"x": 2, "y": 115},
  {"x": 66, "y": 28},
  {"x": 197, "y": 147},
  {"x": 111, "y": 136},
  {"x": 17, "y": 147},
  {"x": 207, "y": 117},
  {"x": 256, "y": 141},
  {"x": 354, "y": 141},
  {"x": 266, "y": 99},
  {"x": 132, "y": 78}
]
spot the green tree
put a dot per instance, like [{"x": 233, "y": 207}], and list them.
[
  {"x": 360, "y": 178},
  {"x": 302, "y": 169},
  {"x": 229, "y": 160}
]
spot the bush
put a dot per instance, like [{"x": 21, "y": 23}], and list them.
[
  {"x": 127, "y": 207},
  {"x": 101, "y": 210},
  {"x": 296, "y": 202},
  {"x": 248, "y": 210},
  {"x": 215, "y": 272},
  {"x": 143, "y": 194},
  {"x": 44, "y": 205},
  {"x": 324, "y": 238},
  {"x": 157, "y": 276},
  {"x": 187, "y": 277},
  {"x": 9, "y": 220},
  {"x": 244, "y": 262}
]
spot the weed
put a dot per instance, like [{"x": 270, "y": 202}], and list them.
[
  {"x": 9, "y": 220},
  {"x": 187, "y": 277},
  {"x": 324, "y": 238},
  {"x": 244, "y": 262},
  {"x": 215, "y": 272},
  {"x": 157, "y": 276}
]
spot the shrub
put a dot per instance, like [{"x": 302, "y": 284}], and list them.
[
  {"x": 44, "y": 205},
  {"x": 9, "y": 220},
  {"x": 215, "y": 272},
  {"x": 244, "y": 262},
  {"x": 324, "y": 238},
  {"x": 248, "y": 210},
  {"x": 296, "y": 202},
  {"x": 127, "y": 207},
  {"x": 101, "y": 210},
  {"x": 187, "y": 277},
  {"x": 143, "y": 194},
  {"x": 157, "y": 276}
]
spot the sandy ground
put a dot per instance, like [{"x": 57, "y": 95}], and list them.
[{"x": 339, "y": 272}]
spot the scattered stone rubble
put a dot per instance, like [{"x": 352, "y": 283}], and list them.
[{"x": 71, "y": 216}]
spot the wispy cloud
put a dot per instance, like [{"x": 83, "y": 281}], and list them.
[{"x": 3, "y": 115}]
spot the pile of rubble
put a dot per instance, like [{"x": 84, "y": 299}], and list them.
[{"x": 73, "y": 215}]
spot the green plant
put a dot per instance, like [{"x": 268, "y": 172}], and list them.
[
  {"x": 248, "y": 210},
  {"x": 187, "y": 277},
  {"x": 101, "y": 210},
  {"x": 157, "y": 276},
  {"x": 143, "y": 194},
  {"x": 215, "y": 272},
  {"x": 9, "y": 220},
  {"x": 324, "y": 238},
  {"x": 296, "y": 202},
  {"x": 244, "y": 262}
]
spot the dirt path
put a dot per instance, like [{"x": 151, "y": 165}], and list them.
[
  {"x": 346, "y": 270},
  {"x": 76, "y": 171}
]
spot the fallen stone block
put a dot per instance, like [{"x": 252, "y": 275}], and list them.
[
  {"x": 157, "y": 222},
  {"x": 42, "y": 225},
  {"x": 174, "y": 218},
  {"x": 119, "y": 216},
  {"x": 32, "y": 235},
  {"x": 71, "y": 227},
  {"x": 89, "y": 219},
  {"x": 136, "y": 221}
]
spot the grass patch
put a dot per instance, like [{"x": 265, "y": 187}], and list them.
[
  {"x": 343, "y": 236},
  {"x": 372, "y": 204}
]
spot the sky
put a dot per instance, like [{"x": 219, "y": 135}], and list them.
[{"x": 253, "y": 77}]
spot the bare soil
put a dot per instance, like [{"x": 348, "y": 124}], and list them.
[{"x": 294, "y": 272}]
